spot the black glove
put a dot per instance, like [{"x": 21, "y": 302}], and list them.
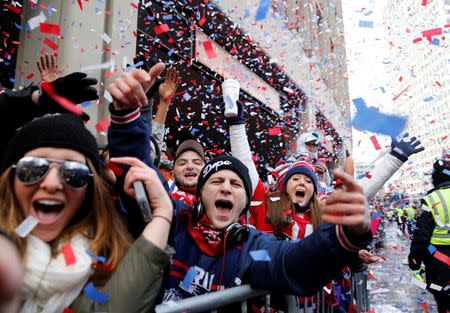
[
  {"x": 239, "y": 119},
  {"x": 405, "y": 148},
  {"x": 76, "y": 87}
]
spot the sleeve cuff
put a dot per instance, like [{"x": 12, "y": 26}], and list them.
[
  {"x": 124, "y": 116},
  {"x": 154, "y": 253},
  {"x": 352, "y": 243}
]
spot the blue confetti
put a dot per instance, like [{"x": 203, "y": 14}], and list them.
[
  {"x": 260, "y": 255},
  {"x": 95, "y": 295},
  {"x": 246, "y": 14},
  {"x": 372, "y": 120},
  {"x": 100, "y": 259},
  {"x": 170, "y": 52},
  {"x": 189, "y": 278},
  {"x": 187, "y": 96},
  {"x": 167, "y": 17},
  {"x": 446, "y": 172},
  {"x": 436, "y": 42},
  {"x": 366, "y": 24},
  {"x": 431, "y": 249},
  {"x": 428, "y": 99},
  {"x": 261, "y": 13},
  {"x": 138, "y": 64},
  {"x": 86, "y": 104}
]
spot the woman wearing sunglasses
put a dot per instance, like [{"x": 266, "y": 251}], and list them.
[{"x": 55, "y": 206}]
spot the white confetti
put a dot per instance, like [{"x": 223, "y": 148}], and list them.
[
  {"x": 35, "y": 21},
  {"x": 26, "y": 226}
]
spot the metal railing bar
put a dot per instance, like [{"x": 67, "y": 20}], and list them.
[{"x": 211, "y": 300}]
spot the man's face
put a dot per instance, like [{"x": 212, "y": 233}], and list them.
[
  {"x": 224, "y": 198},
  {"x": 187, "y": 169},
  {"x": 311, "y": 147}
]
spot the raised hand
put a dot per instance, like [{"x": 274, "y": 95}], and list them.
[
  {"x": 129, "y": 90},
  {"x": 157, "y": 196},
  {"x": 168, "y": 88},
  {"x": 239, "y": 119},
  {"x": 48, "y": 68},
  {"x": 367, "y": 257},
  {"x": 348, "y": 207},
  {"x": 405, "y": 147}
]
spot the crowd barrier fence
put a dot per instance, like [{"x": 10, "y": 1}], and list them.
[{"x": 213, "y": 301}]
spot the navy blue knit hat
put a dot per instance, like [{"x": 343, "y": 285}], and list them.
[
  {"x": 225, "y": 162},
  {"x": 299, "y": 167}
]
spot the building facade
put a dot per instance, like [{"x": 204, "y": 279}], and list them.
[
  {"x": 418, "y": 65},
  {"x": 292, "y": 61}
]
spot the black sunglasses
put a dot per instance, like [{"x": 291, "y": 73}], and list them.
[{"x": 30, "y": 170}]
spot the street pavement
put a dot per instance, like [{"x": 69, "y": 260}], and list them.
[{"x": 392, "y": 291}]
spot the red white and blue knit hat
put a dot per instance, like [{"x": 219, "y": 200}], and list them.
[{"x": 299, "y": 167}]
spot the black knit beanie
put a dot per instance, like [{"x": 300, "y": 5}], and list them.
[
  {"x": 226, "y": 162},
  {"x": 59, "y": 131},
  {"x": 441, "y": 171}
]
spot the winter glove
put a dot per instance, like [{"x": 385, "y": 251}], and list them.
[
  {"x": 405, "y": 147},
  {"x": 76, "y": 87},
  {"x": 239, "y": 119}
]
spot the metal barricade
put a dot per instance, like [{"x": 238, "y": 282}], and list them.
[
  {"x": 360, "y": 292},
  {"x": 318, "y": 304}
]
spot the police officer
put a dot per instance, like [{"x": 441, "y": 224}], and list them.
[{"x": 431, "y": 240}]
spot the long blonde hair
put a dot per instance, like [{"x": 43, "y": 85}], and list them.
[
  {"x": 277, "y": 210},
  {"x": 97, "y": 219}
]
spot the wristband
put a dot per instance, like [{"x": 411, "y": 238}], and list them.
[{"x": 164, "y": 218}]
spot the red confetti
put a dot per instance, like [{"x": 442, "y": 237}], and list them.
[
  {"x": 209, "y": 49},
  {"x": 51, "y": 44},
  {"x": 202, "y": 21},
  {"x": 442, "y": 257},
  {"x": 30, "y": 76},
  {"x": 368, "y": 175},
  {"x": 13, "y": 8},
  {"x": 69, "y": 256},
  {"x": 370, "y": 275},
  {"x": 49, "y": 28},
  {"x": 375, "y": 142},
  {"x": 68, "y": 310},
  {"x": 417, "y": 40},
  {"x": 102, "y": 125},
  {"x": 115, "y": 168},
  {"x": 65, "y": 103},
  {"x": 159, "y": 29},
  {"x": 80, "y": 4},
  {"x": 274, "y": 131},
  {"x": 134, "y": 5},
  {"x": 431, "y": 32}
]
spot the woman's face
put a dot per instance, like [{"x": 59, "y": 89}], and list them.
[
  {"x": 50, "y": 200},
  {"x": 300, "y": 189}
]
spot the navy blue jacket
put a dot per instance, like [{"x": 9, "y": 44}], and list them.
[
  {"x": 301, "y": 268},
  {"x": 129, "y": 136}
]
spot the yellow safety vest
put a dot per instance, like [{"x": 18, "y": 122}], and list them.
[
  {"x": 438, "y": 201},
  {"x": 411, "y": 213}
]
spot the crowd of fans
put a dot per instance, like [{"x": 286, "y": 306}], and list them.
[{"x": 71, "y": 211}]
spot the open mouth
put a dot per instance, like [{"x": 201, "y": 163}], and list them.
[
  {"x": 300, "y": 193},
  {"x": 224, "y": 206},
  {"x": 47, "y": 211},
  {"x": 190, "y": 174}
]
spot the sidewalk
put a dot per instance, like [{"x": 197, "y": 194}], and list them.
[{"x": 393, "y": 291}]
